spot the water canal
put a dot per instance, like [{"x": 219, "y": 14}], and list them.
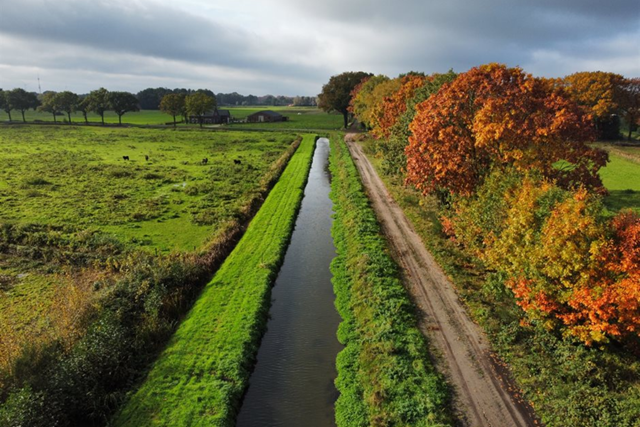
[{"x": 292, "y": 384}]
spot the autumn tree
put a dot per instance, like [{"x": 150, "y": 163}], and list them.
[
  {"x": 496, "y": 117},
  {"x": 394, "y": 160},
  {"x": 98, "y": 102},
  {"x": 362, "y": 100},
  {"x": 599, "y": 94},
  {"x": 173, "y": 104},
  {"x": 394, "y": 105},
  {"x": 67, "y": 102},
  {"x": 21, "y": 100},
  {"x": 630, "y": 103},
  {"x": 49, "y": 104},
  {"x": 198, "y": 104},
  {"x": 336, "y": 94},
  {"x": 122, "y": 103}
]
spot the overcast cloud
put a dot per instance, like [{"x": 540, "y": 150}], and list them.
[{"x": 292, "y": 47}]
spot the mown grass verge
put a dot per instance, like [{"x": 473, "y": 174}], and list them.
[
  {"x": 385, "y": 375},
  {"x": 200, "y": 377},
  {"x": 566, "y": 382}
]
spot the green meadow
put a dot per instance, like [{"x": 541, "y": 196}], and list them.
[
  {"x": 621, "y": 177},
  {"x": 77, "y": 176}
]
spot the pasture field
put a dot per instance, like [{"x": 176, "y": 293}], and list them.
[
  {"x": 201, "y": 375},
  {"x": 69, "y": 201},
  {"x": 299, "y": 118},
  {"x": 77, "y": 176}
]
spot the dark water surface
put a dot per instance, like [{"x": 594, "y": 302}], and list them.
[{"x": 292, "y": 385}]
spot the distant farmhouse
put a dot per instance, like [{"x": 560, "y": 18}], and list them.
[
  {"x": 266, "y": 116},
  {"x": 214, "y": 117}
]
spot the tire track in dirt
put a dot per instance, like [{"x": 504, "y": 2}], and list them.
[{"x": 484, "y": 394}]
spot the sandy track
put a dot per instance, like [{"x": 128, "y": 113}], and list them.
[{"x": 483, "y": 392}]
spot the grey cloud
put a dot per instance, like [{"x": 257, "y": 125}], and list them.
[{"x": 152, "y": 30}]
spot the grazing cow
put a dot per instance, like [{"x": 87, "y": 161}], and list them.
[
  {"x": 205, "y": 161},
  {"x": 237, "y": 162},
  {"x": 125, "y": 157},
  {"x": 146, "y": 158}
]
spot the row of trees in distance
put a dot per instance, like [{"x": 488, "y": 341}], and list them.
[
  {"x": 509, "y": 157},
  {"x": 99, "y": 101},
  {"x": 150, "y": 98}
]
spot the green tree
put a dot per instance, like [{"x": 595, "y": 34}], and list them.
[
  {"x": 336, "y": 94},
  {"x": 123, "y": 102},
  {"x": 67, "y": 102},
  {"x": 21, "y": 100},
  {"x": 84, "y": 107},
  {"x": 198, "y": 104},
  {"x": 173, "y": 104},
  {"x": 98, "y": 102},
  {"x": 3, "y": 103},
  {"x": 48, "y": 104}
]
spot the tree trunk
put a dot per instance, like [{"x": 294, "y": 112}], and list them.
[
  {"x": 346, "y": 119},
  {"x": 629, "y": 136},
  {"x": 55, "y": 120},
  {"x": 86, "y": 119},
  {"x": 102, "y": 116},
  {"x": 69, "y": 116},
  {"x": 174, "y": 121},
  {"x": 23, "y": 119},
  {"x": 9, "y": 113},
  {"x": 120, "y": 119}
]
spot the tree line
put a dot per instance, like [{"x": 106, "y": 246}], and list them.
[
  {"x": 508, "y": 156},
  {"x": 99, "y": 101},
  {"x": 150, "y": 98}
]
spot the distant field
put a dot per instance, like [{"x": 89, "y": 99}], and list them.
[
  {"x": 299, "y": 117},
  {"x": 622, "y": 178}
]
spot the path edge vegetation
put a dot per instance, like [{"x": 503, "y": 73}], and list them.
[
  {"x": 385, "y": 374},
  {"x": 228, "y": 319}
]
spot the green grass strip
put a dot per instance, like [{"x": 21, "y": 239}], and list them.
[
  {"x": 385, "y": 376},
  {"x": 200, "y": 377}
]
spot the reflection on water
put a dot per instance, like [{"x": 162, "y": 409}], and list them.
[{"x": 292, "y": 384}]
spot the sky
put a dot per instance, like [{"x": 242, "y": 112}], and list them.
[{"x": 293, "y": 47}]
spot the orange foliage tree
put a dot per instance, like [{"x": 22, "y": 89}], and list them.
[
  {"x": 494, "y": 116},
  {"x": 394, "y": 105},
  {"x": 599, "y": 93},
  {"x": 566, "y": 263}
]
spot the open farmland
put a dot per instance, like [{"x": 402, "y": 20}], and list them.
[
  {"x": 77, "y": 176},
  {"x": 299, "y": 117}
]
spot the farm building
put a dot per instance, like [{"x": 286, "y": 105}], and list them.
[
  {"x": 214, "y": 117},
  {"x": 266, "y": 116}
]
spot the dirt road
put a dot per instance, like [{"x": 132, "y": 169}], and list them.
[{"x": 481, "y": 385}]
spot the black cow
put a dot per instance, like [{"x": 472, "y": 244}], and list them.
[
  {"x": 237, "y": 162},
  {"x": 146, "y": 158},
  {"x": 125, "y": 157},
  {"x": 205, "y": 161}
]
